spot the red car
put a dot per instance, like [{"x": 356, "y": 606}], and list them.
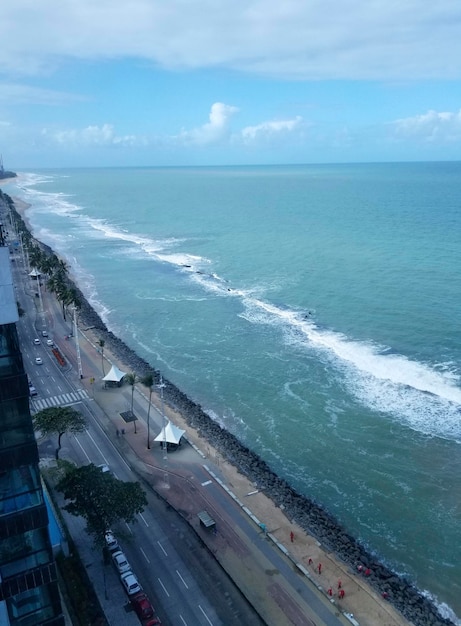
[{"x": 144, "y": 610}]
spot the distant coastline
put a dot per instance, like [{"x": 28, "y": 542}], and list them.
[{"x": 310, "y": 516}]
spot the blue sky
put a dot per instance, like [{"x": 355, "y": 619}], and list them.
[{"x": 222, "y": 82}]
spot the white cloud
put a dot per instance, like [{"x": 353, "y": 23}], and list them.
[
  {"x": 319, "y": 39},
  {"x": 433, "y": 126},
  {"x": 91, "y": 136},
  {"x": 215, "y": 131},
  {"x": 13, "y": 93},
  {"x": 270, "y": 130}
]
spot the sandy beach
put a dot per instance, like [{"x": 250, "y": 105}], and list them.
[{"x": 332, "y": 559}]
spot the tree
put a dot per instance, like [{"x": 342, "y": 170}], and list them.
[
  {"x": 58, "y": 420},
  {"x": 101, "y": 344},
  {"x": 100, "y": 498},
  {"x": 132, "y": 379},
  {"x": 148, "y": 381}
]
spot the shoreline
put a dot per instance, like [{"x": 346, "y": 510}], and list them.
[{"x": 308, "y": 515}]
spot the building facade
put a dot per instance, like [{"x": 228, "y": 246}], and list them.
[{"x": 29, "y": 594}]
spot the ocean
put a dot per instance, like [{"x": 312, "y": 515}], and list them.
[{"x": 314, "y": 311}]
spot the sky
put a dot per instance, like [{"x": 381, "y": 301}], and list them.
[{"x": 228, "y": 82}]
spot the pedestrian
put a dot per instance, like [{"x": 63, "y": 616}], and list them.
[
  {"x": 340, "y": 584},
  {"x": 359, "y": 568},
  {"x": 319, "y": 568},
  {"x": 292, "y": 536},
  {"x": 310, "y": 561},
  {"x": 341, "y": 593},
  {"x": 330, "y": 591},
  {"x": 117, "y": 432},
  {"x": 367, "y": 571}
]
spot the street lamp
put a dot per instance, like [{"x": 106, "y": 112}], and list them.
[
  {"x": 77, "y": 345},
  {"x": 164, "y": 443}
]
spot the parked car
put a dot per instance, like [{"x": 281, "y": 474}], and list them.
[
  {"x": 37, "y": 341},
  {"x": 130, "y": 583},
  {"x": 32, "y": 391},
  {"x": 38, "y": 360},
  {"x": 144, "y": 609},
  {"x": 44, "y": 333},
  {"x": 104, "y": 468},
  {"x": 120, "y": 561},
  {"x": 111, "y": 541},
  {"x": 49, "y": 342}
]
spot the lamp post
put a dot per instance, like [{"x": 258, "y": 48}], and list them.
[
  {"x": 77, "y": 345},
  {"x": 164, "y": 442}
]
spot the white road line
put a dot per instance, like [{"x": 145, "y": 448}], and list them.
[
  {"x": 144, "y": 555},
  {"x": 183, "y": 581},
  {"x": 206, "y": 616},
  {"x": 207, "y": 482},
  {"x": 164, "y": 588},
  {"x": 183, "y": 620},
  {"x": 128, "y": 528},
  {"x": 162, "y": 548},
  {"x": 143, "y": 519},
  {"x": 83, "y": 449}
]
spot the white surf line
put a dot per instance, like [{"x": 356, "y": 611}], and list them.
[
  {"x": 206, "y": 616},
  {"x": 144, "y": 555},
  {"x": 162, "y": 548},
  {"x": 83, "y": 449},
  {"x": 164, "y": 588},
  {"x": 182, "y": 580}
]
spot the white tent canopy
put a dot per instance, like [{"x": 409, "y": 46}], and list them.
[
  {"x": 170, "y": 433},
  {"x": 34, "y": 273},
  {"x": 114, "y": 375}
]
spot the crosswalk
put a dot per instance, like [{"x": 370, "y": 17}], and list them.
[{"x": 64, "y": 399}]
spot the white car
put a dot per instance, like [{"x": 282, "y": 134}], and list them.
[
  {"x": 38, "y": 360},
  {"x": 44, "y": 333},
  {"x": 37, "y": 341},
  {"x": 111, "y": 541},
  {"x": 104, "y": 468},
  {"x": 120, "y": 562},
  {"x": 130, "y": 583},
  {"x": 49, "y": 342}
]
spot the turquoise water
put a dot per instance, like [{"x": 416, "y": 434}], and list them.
[{"x": 312, "y": 310}]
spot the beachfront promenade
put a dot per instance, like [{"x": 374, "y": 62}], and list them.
[{"x": 253, "y": 542}]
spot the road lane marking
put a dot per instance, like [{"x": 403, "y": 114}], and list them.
[
  {"x": 164, "y": 588},
  {"x": 206, "y": 616},
  {"x": 207, "y": 482},
  {"x": 183, "y": 581},
  {"x": 162, "y": 548},
  {"x": 183, "y": 620},
  {"x": 144, "y": 555},
  {"x": 83, "y": 449},
  {"x": 143, "y": 519}
]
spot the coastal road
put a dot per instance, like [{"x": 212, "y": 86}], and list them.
[{"x": 262, "y": 570}]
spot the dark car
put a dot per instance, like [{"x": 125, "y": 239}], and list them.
[{"x": 144, "y": 609}]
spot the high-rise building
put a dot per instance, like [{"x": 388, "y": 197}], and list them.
[{"x": 29, "y": 594}]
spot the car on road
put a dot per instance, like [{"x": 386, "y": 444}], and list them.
[
  {"x": 104, "y": 468},
  {"x": 32, "y": 391},
  {"x": 120, "y": 561},
  {"x": 38, "y": 360},
  {"x": 130, "y": 583},
  {"x": 111, "y": 541},
  {"x": 49, "y": 342},
  {"x": 37, "y": 341},
  {"x": 144, "y": 609},
  {"x": 44, "y": 333}
]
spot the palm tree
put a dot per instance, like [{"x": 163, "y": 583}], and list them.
[
  {"x": 148, "y": 381},
  {"x": 101, "y": 344}
]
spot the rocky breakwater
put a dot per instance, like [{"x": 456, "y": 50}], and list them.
[{"x": 309, "y": 515}]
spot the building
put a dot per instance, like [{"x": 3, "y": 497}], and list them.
[{"x": 29, "y": 594}]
